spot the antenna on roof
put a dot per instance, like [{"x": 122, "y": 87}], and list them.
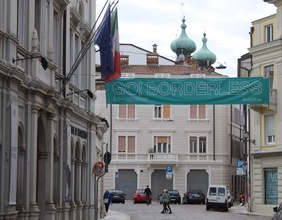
[{"x": 182, "y": 11}]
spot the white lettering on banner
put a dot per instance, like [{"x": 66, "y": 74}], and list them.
[{"x": 187, "y": 88}]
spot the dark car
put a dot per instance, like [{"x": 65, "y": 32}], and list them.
[
  {"x": 174, "y": 197},
  {"x": 139, "y": 196},
  {"x": 118, "y": 196},
  {"x": 194, "y": 196}
]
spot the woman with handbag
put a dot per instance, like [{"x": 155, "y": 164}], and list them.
[{"x": 107, "y": 199}]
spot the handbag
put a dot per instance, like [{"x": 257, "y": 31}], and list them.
[{"x": 106, "y": 200}]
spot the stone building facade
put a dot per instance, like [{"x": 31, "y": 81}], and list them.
[{"x": 50, "y": 136}]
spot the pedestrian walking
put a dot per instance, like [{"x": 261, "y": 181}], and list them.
[
  {"x": 148, "y": 193},
  {"x": 107, "y": 199},
  {"x": 166, "y": 199}
]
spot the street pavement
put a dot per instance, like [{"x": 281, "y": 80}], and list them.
[{"x": 237, "y": 208}]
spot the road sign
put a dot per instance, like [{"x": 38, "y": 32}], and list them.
[
  {"x": 241, "y": 167},
  {"x": 169, "y": 172}
]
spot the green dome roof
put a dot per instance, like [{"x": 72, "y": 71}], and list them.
[
  {"x": 204, "y": 54},
  {"x": 183, "y": 44}
]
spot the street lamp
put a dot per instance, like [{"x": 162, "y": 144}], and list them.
[
  {"x": 44, "y": 62},
  {"x": 247, "y": 137},
  {"x": 89, "y": 93}
]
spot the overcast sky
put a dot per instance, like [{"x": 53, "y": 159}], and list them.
[{"x": 226, "y": 22}]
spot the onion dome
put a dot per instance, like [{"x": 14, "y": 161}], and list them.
[
  {"x": 204, "y": 56},
  {"x": 183, "y": 44}
]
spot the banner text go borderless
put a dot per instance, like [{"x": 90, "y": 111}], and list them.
[{"x": 188, "y": 91}]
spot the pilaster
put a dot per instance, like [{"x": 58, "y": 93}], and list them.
[{"x": 33, "y": 164}]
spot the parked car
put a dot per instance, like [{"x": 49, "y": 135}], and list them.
[
  {"x": 217, "y": 197},
  {"x": 118, "y": 196},
  {"x": 277, "y": 215},
  {"x": 194, "y": 196},
  {"x": 230, "y": 198},
  {"x": 139, "y": 196},
  {"x": 174, "y": 197}
]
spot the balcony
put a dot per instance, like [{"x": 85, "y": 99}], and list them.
[
  {"x": 164, "y": 158},
  {"x": 272, "y": 102}
]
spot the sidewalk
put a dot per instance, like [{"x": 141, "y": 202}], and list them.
[
  {"x": 237, "y": 208},
  {"x": 113, "y": 215}
]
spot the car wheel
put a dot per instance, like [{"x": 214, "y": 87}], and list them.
[{"x": 207, "y": 207}]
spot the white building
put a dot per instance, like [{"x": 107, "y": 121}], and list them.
[
  {"x": 49, "y": 134},
  {"x": 195, "y": 140}
]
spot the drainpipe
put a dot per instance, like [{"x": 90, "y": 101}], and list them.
[{"x": 214, "y": 132}]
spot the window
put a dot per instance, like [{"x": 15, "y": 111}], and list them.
[
  {"x": 42, "y": 24},
  {"x": 195, "y": 148},
  {"x": 197, "y": 112},
  {"x": 162, "y": 144},
  {"x": 126, "y": 144},
  {"x": 162, "y": 111},
  {"x": 268, "y": 33},
  {"x": 76, "y": 74},
  {"x": 271, "y": 186},
  {"x": 269, "y": 73},
  {"x": 221, "y": 191},
  {"x": 202, "y": 145},
  {"x": 269, "y": 129},
  {"x": 57, "y": 38},
  {"x": 193, "y": 144},
  {"x": 127, "y": 111},
  {"x": 21, "y": 21}
]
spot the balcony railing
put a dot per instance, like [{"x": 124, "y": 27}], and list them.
[
  {"x": 165, "y": 157},
  {"x": 162, "y": 157}
]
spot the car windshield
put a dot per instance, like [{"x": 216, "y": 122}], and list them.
[
  {"x": 173, "y": 192},
  {"x": 140, "y": 191}
]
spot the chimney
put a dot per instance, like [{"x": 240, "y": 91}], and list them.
[
  {"x": 153, "y": 58},
  {"x": 124, "y": 60}
]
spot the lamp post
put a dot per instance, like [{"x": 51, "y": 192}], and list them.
[{"x": 248, "y": 142}]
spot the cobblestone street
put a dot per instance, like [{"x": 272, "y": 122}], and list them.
[{"x": 181, "y": 212}]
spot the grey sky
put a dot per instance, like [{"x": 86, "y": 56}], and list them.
[{"x": 226, "y": 22}]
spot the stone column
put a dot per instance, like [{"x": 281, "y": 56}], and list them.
[
  {"x": 49, "y": 206},
  {"x": 34, "y": 214}
]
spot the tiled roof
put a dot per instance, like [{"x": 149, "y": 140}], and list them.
[{"x": 171, "y": 69}]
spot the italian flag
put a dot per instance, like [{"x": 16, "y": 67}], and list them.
[{"x": 115, "y": 45}]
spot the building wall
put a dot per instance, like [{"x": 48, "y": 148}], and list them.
[
  {"x": 216, "y": 162},
  {"x": 47, "y": 137},
  {"x": 266, "y": 155}
]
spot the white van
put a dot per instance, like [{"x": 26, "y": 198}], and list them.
[{"x": 217, "y": 197}]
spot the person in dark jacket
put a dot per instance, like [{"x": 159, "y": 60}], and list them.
[
  {"x": 107, "y": 199},
  {"x": 148, "y": 193}
]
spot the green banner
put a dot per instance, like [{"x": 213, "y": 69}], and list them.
[{"x": 187, "y": 91}]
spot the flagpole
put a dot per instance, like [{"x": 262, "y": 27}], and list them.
[
  {"x": 111, "y": 128},
  {"x": 83, "y": 51}
]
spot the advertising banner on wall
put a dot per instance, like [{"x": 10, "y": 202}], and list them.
[{"x": 188, "y": 91}]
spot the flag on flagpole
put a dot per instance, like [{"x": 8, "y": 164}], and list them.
[
  {"x": 103, "y": 39},
  {"x": 116, "y": 50}
]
